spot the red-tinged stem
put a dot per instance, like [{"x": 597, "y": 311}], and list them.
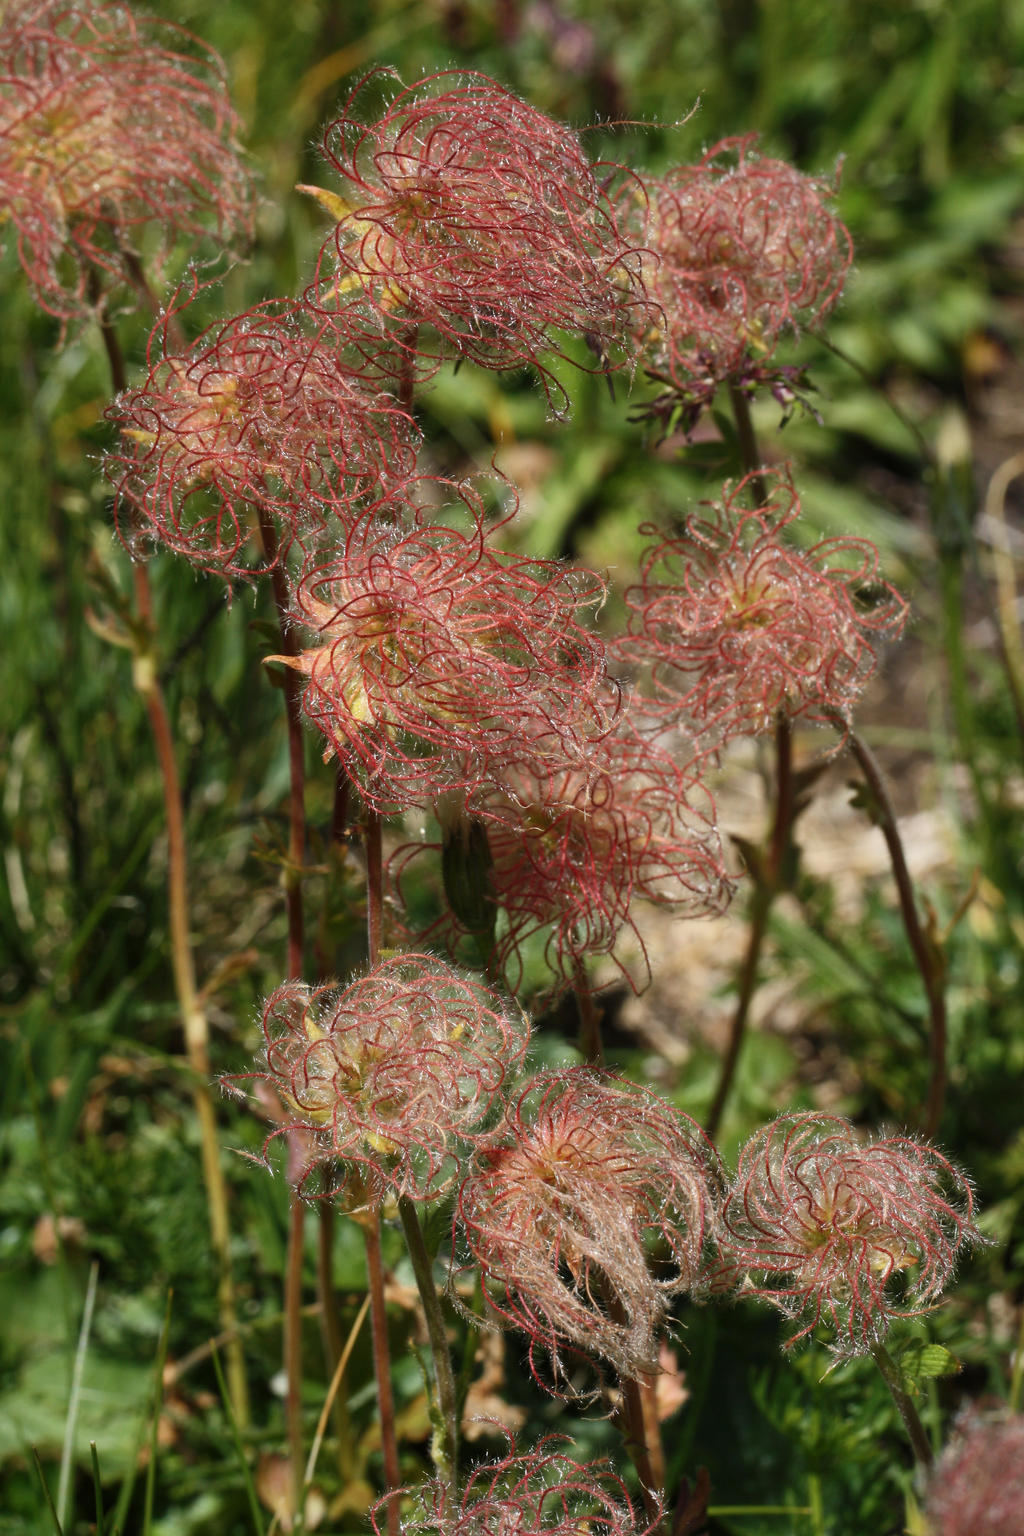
[
  {"x": 293, "y": 1354},
  {"x": 642, "y": 1439},
  {"x": 905, "y": 1406},
  {"x": 768, "y": 879},
  {"x": 382, "y": 1364},
  {"x": 926, "y": 955},
  {"x": 591, "y": 1044},
  {"x": 374, "y": 886},
  {"x": 296, "y": 755},
  {"x": 331, "y": 1334},
  {"x": 195, "y": 1026},
  {"x": 769, "y": 882},
  {"x": 406, "y": 375}
]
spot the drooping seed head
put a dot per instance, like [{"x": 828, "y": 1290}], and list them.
[
  {"x": 466, "y": 210},
  {"x": 847, "y": 1233},
  {"x": 568, "y": 1193},
  {"x": 542, "y": 1493},
  {"x": 736, "y": 623},
  {"x": 575, "y": 842},
  {"x": 113, "y": 127},
  {"x": 260, "y": 417},
  {"x": 739, "y": 248},
  {"x": 434, "y": 654},
  {"x": 391, "y": 1074}
]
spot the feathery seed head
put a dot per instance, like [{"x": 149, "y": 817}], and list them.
[
  {"x": 110, "y": 122},
  {"x": 736, "y": 624},
  {"x": 469, "y": 211},
  {"x": 391, "y": 1072},
  {"x": 568, "y": 1191},
  {"x": 542, "y": 1493},
  {"x": 977, "y": 1487},
  {"x": 851, "y": 1234},
  {"x": 437, "y": 653},
  {"x": 261, "y": 416},
  {"x": 738, "y": 249}
]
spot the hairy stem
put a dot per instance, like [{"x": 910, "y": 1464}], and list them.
[
  {"x": 591, "y": 1045},
  {"x": 382, "y": 1364},
  {"x": 374, "y": 886},
  {"x": 926, "y": 953},
  {"x": 641, "y": 1436},
  {"x": 905, "y": 1405},
  {"x": 446, "y": 1436}
]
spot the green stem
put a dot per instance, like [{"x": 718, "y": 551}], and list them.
[
  {"x": 904, "y": 1403},
  {"x": 446, "y": 1436}
]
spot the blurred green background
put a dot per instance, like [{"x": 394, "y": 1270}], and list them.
[{"x": 924, "y": 103}]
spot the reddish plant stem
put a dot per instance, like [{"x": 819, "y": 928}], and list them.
[
  {"x": 925, "y": 952},
  {"x": 195, "y": 1026},
  {"x": 296, "y": 755},
  {"x": 768, "y": 877},
  {"x": 591, "y": 1044},
  {"x": 750, "y": 453},
  {"x": 331, "y": 1335},
  {"x": 769, "y": 882},
  {"x": 374, "y": 886},
  {"x": 641, "y": 1435},
  {"x": 382, "y": 1364}
]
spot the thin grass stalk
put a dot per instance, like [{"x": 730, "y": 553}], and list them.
[
  {"x": 97, "y": 1486},
  {"x": 334, "y": 1390},
  {"x": 67, "y": 1454},
  {"x": 236, "y": 1438}
]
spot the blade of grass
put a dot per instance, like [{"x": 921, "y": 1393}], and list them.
[
  {"x": 46, "y": 1493},
  {"x": 97, "y": 1486},
  {"x": 336, "y": 1380},
  {"x": 67, "y": 1454},
  {"x": 225, "y": 1397},
  {"x": 158, "y": 1397}
]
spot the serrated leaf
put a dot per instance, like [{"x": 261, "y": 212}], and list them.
[{"x": 926, "y": 1362}]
